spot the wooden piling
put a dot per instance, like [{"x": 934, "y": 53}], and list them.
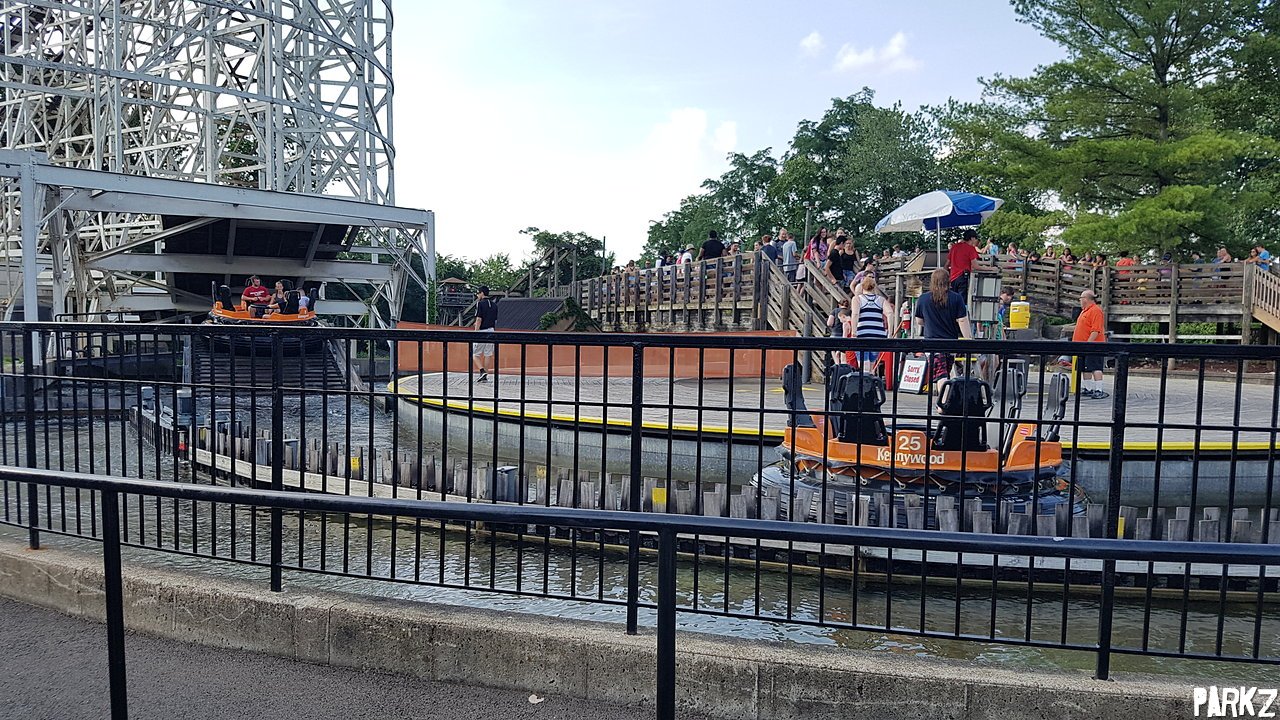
[
  {"x": 1207, "y": 531},
  {"x": 1097, "y": 514},
  {"x": 1079, "y": 526},
  {"x": 1142, "y": 528},
  {"x": 1215, "y": 514},
  {"x": 915, "y": 518},
  {"x": 948, "y": 519},
  {"x": 1242, "y": 531},
  {"x": 769, "y": 507},
  {"x": 1046, "y": 525},
  {"x": 647, "y": 486},
  {"x": 684, "y": 502},
  {"x": 981, "y": 521},
  {"x": 1019, "y": 524},
  {"x": 863, "y": 516},
  {"x": 1130, "y": 514}
]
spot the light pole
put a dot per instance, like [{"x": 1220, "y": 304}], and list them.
[{"x": 808, "y": 207}]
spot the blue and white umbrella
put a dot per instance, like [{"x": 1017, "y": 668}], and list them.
[{"x": 940, "y": 209}]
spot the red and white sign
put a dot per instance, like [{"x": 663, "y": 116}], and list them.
[{"x": 913, "y": 373}]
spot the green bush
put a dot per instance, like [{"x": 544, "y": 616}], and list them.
[{"x": 1185, "y": 328}]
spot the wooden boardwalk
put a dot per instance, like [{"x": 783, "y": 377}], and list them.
[{"x": 742, "y": 292}]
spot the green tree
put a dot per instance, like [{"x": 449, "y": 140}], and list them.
[
  {"x": 741, "y": 195},
  {"x": 1120, "y": 136},
  {"x": 686, "y": 226},
  {"x": 859, "y": 162},
  {"x": 592, "y": 260},
  {"x": 494, "y": 271},
  {"x": 448, "y": 266}
]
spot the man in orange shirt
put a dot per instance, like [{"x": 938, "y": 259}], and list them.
[{"x": 1091, "y": 327}]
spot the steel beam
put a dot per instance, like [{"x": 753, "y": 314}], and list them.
[
  {"x": 32, "y": 210},
  {"x": 118, "y": 192},
  {"x": 348, "y": 270}
]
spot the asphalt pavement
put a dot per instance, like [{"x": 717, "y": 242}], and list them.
[{"x": 54, "y": 667}]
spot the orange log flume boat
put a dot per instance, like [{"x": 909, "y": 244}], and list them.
[
  {"x": 227, "y": 312},
  {"x": 850, "y": 454}
]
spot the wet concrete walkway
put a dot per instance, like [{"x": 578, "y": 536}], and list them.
[{"x": 55, "y": 667}]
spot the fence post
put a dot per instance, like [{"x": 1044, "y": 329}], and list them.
[
  {"x": 113, "y": 587},
  {"x": 1115, "y": 466},
  {"x": 634, "y": 501},
  {"x": 1057, "y": 284},
  {"x": 29, "y": 430},
  {"x": 277, "y": 455},
  {"x": 1175, "y": 279},
  {"x": 807, "y": 362},
  {"x": 1246, "y": 302},
  {"x": 760, "y": 279},
  {"x": 666, "y": 680}
]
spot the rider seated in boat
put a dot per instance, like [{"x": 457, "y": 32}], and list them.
[
  {"x": 255, "y": 293},
  {"x": 279, "y": 301}
]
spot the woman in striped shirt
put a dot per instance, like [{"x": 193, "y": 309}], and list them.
[{"x": 870, "y": 318}]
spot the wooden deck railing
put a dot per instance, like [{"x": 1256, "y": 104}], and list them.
[
  {"x": 1054, "y": 286},
  {"x": 1265, "y": 291},
  {"x": 747, "y": 290},
  {"x": 722, "y": 283}
]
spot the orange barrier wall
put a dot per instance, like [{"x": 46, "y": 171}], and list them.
[{"x": 591, "y": 360}]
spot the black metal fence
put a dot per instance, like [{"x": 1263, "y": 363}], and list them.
[
  {"x": 662, "y": 532},
  {"x": 932, "y": 514}
]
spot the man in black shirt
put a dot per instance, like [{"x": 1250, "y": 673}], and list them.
[
  {"x": 769, "y": 249},
  {"x": 486, "y": 318},
  {"x": 842, "y": 264},
  {"x": 712, "y": 248}
]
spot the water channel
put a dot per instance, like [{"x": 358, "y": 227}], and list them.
[{"x": 407, "y": 554}]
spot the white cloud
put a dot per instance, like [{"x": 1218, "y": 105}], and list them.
[
  {"x": 725, "y": 138},
  {"x": 812, "y": 44},
  {"x": 892, "y": 57}
]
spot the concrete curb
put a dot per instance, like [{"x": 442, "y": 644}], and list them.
[{"x": 717, "y": 676}]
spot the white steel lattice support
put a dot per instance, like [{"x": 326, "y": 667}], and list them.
[{"x": 278, "y": 95}]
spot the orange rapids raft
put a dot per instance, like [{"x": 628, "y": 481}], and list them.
[{"x": 851, "y": 452}]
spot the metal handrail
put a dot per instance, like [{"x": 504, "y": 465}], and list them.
[
  {"x": 679, "y": 340},
  {"x": 894, "y": 538},
  {"x": 666, "y": 527}
]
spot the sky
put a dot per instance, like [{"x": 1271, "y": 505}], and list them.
[{"x": 599, "y": 116}]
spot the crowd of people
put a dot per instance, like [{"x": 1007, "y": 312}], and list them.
[
  {"x": 941, "y": 312},
  {"x": 834, "y": 252},
  {"x": 843, "y": 263}
]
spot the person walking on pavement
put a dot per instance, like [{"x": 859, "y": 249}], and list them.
[
  {"x": 1091, "y": 327},
  {"x": 486, "y": 318}
]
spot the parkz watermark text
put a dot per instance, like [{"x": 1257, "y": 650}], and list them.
[{"x": 1234, "y": 702}]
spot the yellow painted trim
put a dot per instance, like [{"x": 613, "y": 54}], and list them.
[
  {"x": 1176, "y": 445},
  {"x": 533, "y": 415}
]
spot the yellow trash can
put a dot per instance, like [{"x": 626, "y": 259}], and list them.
[{"x": 1019, "y": 315}]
